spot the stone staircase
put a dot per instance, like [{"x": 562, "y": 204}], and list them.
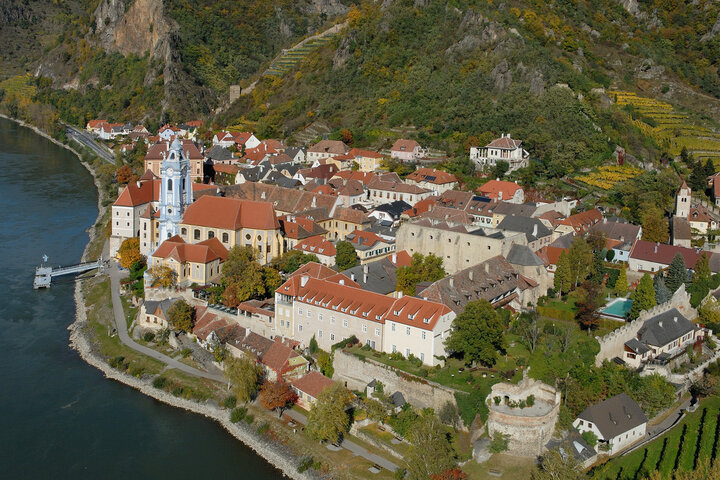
[{"x": 288, "y": 59}]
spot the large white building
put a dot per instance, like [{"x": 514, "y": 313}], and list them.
[
  {"x": 617, "y": 422},
  {"x": 503, "y": 148}
]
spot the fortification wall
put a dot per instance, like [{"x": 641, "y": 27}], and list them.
[
  {"x": 613, "y": 344},
  {"x": 417, "y": 391}
]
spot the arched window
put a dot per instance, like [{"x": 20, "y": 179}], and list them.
[
  {"x": 211, "y": 234},
  {"x": 183, "y": 231},
  {"x": 196, "y": 234},
  {"x": 169, "y": 185}
]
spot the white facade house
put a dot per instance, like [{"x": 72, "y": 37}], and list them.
[
  {"x": 503, "y": 148},
  {"x": 617, "y": 422}
]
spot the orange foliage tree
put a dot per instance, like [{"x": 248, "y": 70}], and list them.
[{"x": 277, "y": 395}]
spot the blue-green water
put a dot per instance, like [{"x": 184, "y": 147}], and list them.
[
  {"x": 59, "y": 417},
  {"x": 618, "y": 308}
]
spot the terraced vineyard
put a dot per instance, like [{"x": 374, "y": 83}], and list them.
[
  {"x": 290, "y": 58},
  {"x": 681, "y": 448},
  {"x": 606, "y": 177},
  {"x": 19, "y": 88},
  {"x": 671, "y": 130}
]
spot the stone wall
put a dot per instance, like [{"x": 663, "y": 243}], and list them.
[
  {"x": 612, "y": 345},
  {"x": 458, "y": 250},
  {"x": 530, "y": 428},
  {"x": 417, "y": 391}
]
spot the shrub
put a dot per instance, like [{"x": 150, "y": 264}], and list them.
[
  {"x": 185, "y": 352},
  {"x": 530, "y": 400},
  {"x": 499, "y": 443},
  {"x": 149, "y": 336},
  {"x": 263, "y": 428},
  {"x": 590, "y": 438},
  {"x": 159, "y": 382},
  {"x": 249, "y": 419},
  {"x": 306, "y": 461},
  {"x": 238, "y": 414},
  {"x": 230, "y": 402},
  {"x": 497, "y": 400},
  {"x": 399, "y": 473}
]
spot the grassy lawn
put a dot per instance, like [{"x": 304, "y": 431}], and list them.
[
  {"x": 504, "y": 467},
  {"x": 129, "y": 309},
  {"x": 626, "y": 466},
  {"x": 385, "y": 438}
]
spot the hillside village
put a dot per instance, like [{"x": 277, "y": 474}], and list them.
[{"x": 335, "y": 265}]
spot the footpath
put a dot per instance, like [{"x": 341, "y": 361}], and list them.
[
  {"x": 121, "y": 325},
  {"x": 353, "y": 447}
]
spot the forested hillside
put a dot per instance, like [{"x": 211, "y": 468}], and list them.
[{"x": 447, "y": 72}]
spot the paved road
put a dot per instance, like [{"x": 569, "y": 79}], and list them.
[
  {"x": 356, "y": 449},
  {"x": 121, "y": 325},
  {"x": 87, "y": 140}
]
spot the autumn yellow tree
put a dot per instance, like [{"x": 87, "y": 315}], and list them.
[
  {"x": 129, "y": 252},
  {"x": 163, "y": 276}
]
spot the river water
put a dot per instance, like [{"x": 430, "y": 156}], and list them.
[{"x": 59, "y": 417}]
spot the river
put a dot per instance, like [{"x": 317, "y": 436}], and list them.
[{"x": 59, "y": 417}]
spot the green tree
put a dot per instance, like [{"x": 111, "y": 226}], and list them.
[
  {"x": 328, "y": 419},
  {"x": 181, "y": 316},
  {"x": 644, "y": 297},
  {"x": 563, "y": 282},
  {"x": 313, "y": 346},
  {"x": 478, "y": 333},
  {"x": 654, "y": 225},
  {"x": 290, "y": 261},
  {"x": 244, "y": 278},
  {"x": 662, "y": 294},
  {"x": 499, "y": 443},
  {"x": 346, "y": 257},
  {"x": 325, "y": 363},
  {"x": 557, "y": 465},
  {"x": 421, "y": 269},
  {"x": 621, "y": 285},
  {"x": 244, "y": 375},
  {"x": 677, "y": 273},
  {"x": 580, "y": 257},
  {"x": 431, "y": 452},
  {"x": 500, "y": 169},
  {"x": 701, "y": 272},
  {"x": 587, "y": 306}
]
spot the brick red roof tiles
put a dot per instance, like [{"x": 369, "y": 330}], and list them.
[
  {"x": 663, "y": 253},
  {"x": 493, "y": 188},
  {"x": 505, "y": 143},
  {"x": 138, "y": 193},
  {"x": 421, "y": 207},
  {"x": 431, "y": 175},
  {"x": 278, "y": 356},
  {"x": 312, "y": 383},
  {"x": 335, "y": 147},
  {"x": 417, "y": 312},
  {"x": 156, "y": 151},
  {"x": 362, "y": 177},
  {"x": 203, "y": 252},
  {"x": 402, "y": 145},
  {"x": 581, "y": 222},
  {"x": 317, "y": 246},
  {"x": 231, "y": 214}
]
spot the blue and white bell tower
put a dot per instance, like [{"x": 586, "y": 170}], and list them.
[{"x": 175, "y": 192}]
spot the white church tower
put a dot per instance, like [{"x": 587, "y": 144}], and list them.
[
  {"x": 175, "y": 192},
  {"x": 683, "y": 198}
]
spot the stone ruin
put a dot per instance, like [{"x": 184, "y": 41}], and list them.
[{"x": 526, "y": 412}]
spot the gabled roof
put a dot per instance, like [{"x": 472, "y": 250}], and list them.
[
  {"x": 623, "y": 231},
  {"x": 416, "y": 312},
  {"x": 394, "y": 209},
  {"x": 356, "y": 152},
  {"x": 378, "y": 183},
  {"x": 334, "y": 147},
  {"x": 312, "y": 383},
  {"x": 522, "y": 255},
  {"x": 160, "y": 308},
  {"x": 662, "y": 329},
  {"x": 138, "y": 193},
  {"x": 663, "y": 254},
  {"x": 363, "y": 240},
  {"x": 287, "y": 200},
  {"x": 203, "y": 252},
  {"x": 231, "y": 214},
  {"x": 519, "y": 210},
  {"x": 531, "y": 227},
  {"x": 278, "y": 356},
  {"x": 402, "y": 145},
  {"x": 362, "y": 177},
  {"x": 299, "y": 227},
  {"x": 614, "y": 416},
  {"x": 218, "y": 152},
  {"x": 350, "y": 215},
  {"x": 421, "y": 207},
  {"x": 379, "y": 276},
  {"x": 583, "y": 221},
  {"x": 494, "y": 188},
  {"x": 431, "y": 175},
  {"x": 316, "y": 245}
]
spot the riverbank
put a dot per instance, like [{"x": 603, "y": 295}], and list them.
[{"x": 81, "y": 341}]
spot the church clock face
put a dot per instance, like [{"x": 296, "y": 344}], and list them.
[{"x": 170, "y": 171}]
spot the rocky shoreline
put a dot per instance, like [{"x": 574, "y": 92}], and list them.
[{"x": 275, "y": 454}]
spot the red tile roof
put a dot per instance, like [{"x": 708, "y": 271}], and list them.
[
  {"x": 364, "y": 238},
  {"x": 223, "y": 168},
  {"x": 138, "y": 193},
  {"x": 317, "y": 246},
  {"x": 402, "y": 145},
  {"x": 312, "y": 383},
  {"x": 431, "y": 175},
  {"x": 203, "y": 252},
  {"x": 362, "y": 177},
  {"x": 278, "y": 356},
  {"x": 156, "y": 151},
  {"x": 335, "y": 147},
  {"x": 356, "y": 152},
  {"x": 402, "y": 259},
  {"x": 421, "y": 207},
  {"x": 663, "y": 254},
  {"x": 231, "y": 214},
  {"x": 505, "y": 142},
  {"x": 96, "y": 123},
  {"x": 417, "y": 312},
  {"x": 493, "y": 188},
  {"x": 581, "y": 222}
]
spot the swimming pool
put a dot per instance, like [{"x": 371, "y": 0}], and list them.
[{"x": 617, "y": 308}]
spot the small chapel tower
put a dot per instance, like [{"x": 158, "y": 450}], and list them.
[
  {"x": 682, "y": 201},
  {"x": 175, "y": 191}
]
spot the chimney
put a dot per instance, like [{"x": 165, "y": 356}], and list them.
[
  {"x": 500, "y": 195},
  {"x": 452, "y": 282},
  {"x": 262, "y": 195},
  {"x": 487, "y": 268},
  {"x": 470, "y": 275},
  {"x": 394, "y": 258},
  {"x": 656, "y": 246},
  {"x": 660, "y": 323},
  {"x": 535, "y": 230},
  {"x": 352, "y": 277},
  {"x": 365, "y": 278},
  {"x": 365, "y": 269},
  {"x": 604, "y": 219},
  {"x": 138, "y": 183},
  {"x": 314, "y": 201},
  {"x": 675, "y": 319},
  {"x": 303, "y": 280}
]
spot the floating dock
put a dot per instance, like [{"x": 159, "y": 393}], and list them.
[{"x": 45, "y": 274}]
